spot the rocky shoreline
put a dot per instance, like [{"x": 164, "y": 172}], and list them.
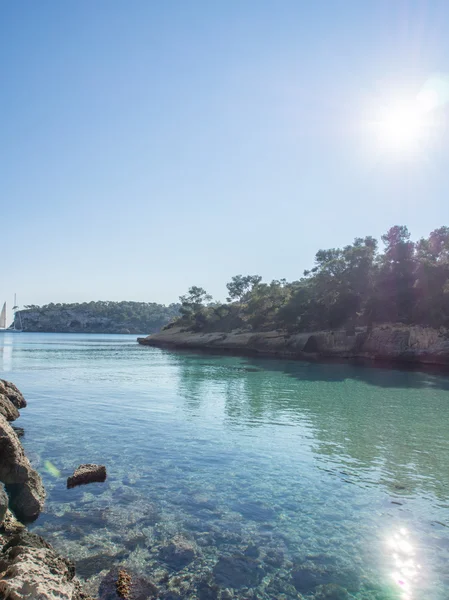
[
  {"x": 387, "y": 343},
  {"x": 29, "y": 567}
]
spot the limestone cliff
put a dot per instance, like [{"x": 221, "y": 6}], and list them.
[
  {"x": 96, "y": 317},
  {"x": 398, "y": 343}
]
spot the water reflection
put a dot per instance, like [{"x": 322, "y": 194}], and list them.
[
  {"x": 395, "y": 434},
  {"x": 6, "y": 353},
  {"x": 403, "y": 560}
]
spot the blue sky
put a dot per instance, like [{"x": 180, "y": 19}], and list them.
[{"x": 148, "y": 146}]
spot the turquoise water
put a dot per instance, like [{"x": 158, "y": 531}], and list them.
[{"x": 287, "y": 479}]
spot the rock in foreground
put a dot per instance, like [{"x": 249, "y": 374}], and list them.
[
  {"x": 31, "y": 570},
  {"x": 13, "y": 394},
  {"x": 23, "y": 484},
  {"x": 87, "y": 474}
]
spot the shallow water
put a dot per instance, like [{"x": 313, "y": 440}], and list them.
[{"x": 283, "y": 476}]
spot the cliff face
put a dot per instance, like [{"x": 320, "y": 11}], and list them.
[
  {"x": 69, "y": 321},
  {"x": 79, "y": 320},
  {"x": 397, "y": 343}
]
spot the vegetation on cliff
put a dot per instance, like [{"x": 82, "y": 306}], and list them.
[
  {"x": 101, "y": 317},
  {"x": 358, "y": 285}
]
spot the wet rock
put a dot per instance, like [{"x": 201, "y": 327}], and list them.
[
  {"x": 13, "y": 394},
  {"x": 331, "y": 591},
  {"x": 19, "y": 431},
  {"x": 3, "y": 504},
  {"x": 88, "y": 473},
  {"x": 237, "y": 571},
  {"x": 31, "y": 569},
  {"x": 22, "y": 483},
  {"x": 137, "y": 588},
  {"x": 123, "y": 584},
  {"x": 11, "y": 525},
  {"x": 7, "y": 409},
  {"x": 178, "y": 553}
]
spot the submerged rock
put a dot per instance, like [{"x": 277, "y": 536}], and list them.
[
  {"x": 31, "y": 570},
  {"x": 308, "y": 576},
  {"x": 178, "y": 553},
  {"x": 22, "y": 482},
  {"x": 331, "y": 591},
  {"x": 87, "y": 474},
  {"x": 238, "y": 571}
]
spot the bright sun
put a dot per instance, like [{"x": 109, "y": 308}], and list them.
[
  {"x": 401, "y": 128},
  {"x": 408, "y": 127}
]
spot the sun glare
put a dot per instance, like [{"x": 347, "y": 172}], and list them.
[{"x": 405, "y": 128}]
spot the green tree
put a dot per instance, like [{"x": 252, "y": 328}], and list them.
[{"x": 241, "y": 285}]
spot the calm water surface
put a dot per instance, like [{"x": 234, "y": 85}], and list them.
[{"x": 287, "y": 479}]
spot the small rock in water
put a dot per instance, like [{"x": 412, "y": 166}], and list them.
[
  {"x": 87, "y": 474},
  {"x": 125, "y": 585}
]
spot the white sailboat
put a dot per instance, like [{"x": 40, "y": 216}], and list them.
[
  {"x": 12, "y": 328},
  {"x": 3, "y": 318}
]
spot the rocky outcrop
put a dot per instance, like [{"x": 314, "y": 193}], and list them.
[
  {"x": 23, "y": 484},
  {"x": 3, "y": 504},
  {"x": 13, "y": 394},
  {"x": 396, "y": 343},
  {"x": 87, "y": 474},
  {"x": 30, "y": 569}
]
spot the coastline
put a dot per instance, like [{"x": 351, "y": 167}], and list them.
[
  {"x": 29, "y": 566},
  {"x": 388, "y": 343}
]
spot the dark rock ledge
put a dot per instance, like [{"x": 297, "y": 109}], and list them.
[
  {"x": 30, "y": 569},
  {"x": 390, "y": 343}
]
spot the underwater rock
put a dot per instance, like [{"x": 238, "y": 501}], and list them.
[
  {"x": 256, "y": 511},
  {"x": 252, "y": 550},
  {"x": 31, "y": 569},
  {"x": 274, "y": 558},
  {"x": 308, "y": 576},
  {"x": 136, "y": 588},
  {"x": 87, "y": 567},
  {"x": 237, "y": 571},
  {"x": 178, "y": 553},
  {"x": 13, "y": 394},
  {"x": 88, "y": 473},
  {"x": 331, "y": 591},
  {"x": 23, "y": 485}
]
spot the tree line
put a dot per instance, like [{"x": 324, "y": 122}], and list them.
[
  {"x": 358, "y": 285},
  {"x": 140, "y": 316}
]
